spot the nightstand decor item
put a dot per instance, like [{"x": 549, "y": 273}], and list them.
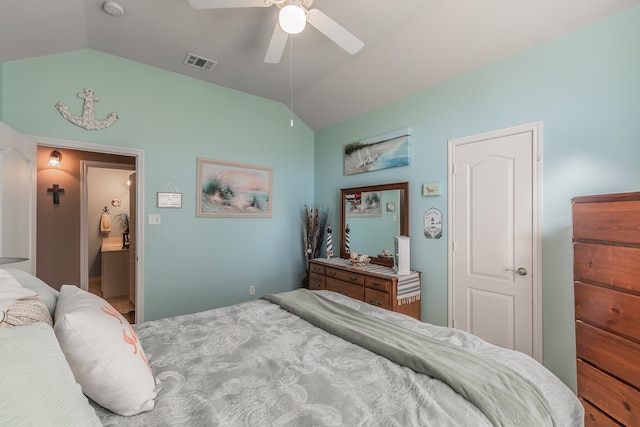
[{"x": 88, "y": 119}]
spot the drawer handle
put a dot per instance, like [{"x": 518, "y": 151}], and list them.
[
  {"x": 376, "y": 284},
  {"x": 341, "y": 292},
  {"x": 376, "y": 303},
  {"x": 316, "y": 284},
  {"x": 353, "y": 278},
  {"x": 332, "y": 273}
]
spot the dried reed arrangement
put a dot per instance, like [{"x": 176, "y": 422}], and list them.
[{"x": 314, "y": 224}]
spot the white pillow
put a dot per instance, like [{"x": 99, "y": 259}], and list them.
[
  {"x": 37, "y": 386},
  {"x": 104, "y": 353},
  {"x": 11, "y": 290},
  {"x": 48, "y": 294}
]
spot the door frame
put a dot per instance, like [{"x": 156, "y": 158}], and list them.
[
  {"x": 139, "y": 168},
  {"x": 84, "y": 212},
  {"x": 536, "y": 129}
]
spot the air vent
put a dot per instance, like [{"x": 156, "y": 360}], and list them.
[{"x": 200, "y": 62}]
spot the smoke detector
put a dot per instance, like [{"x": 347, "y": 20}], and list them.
[{"x": 113, "y": 8}]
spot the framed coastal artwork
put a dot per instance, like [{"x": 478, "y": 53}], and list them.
[
  {"x": 380, "y": 152},
  {"x": 363, "y": 204},
  {"x": 226, "y": 189}
]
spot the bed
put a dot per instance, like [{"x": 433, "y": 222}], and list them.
[{"x": 299, "y": 358}]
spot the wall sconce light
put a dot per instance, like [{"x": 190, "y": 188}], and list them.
[{"x": 55, "y": 158}]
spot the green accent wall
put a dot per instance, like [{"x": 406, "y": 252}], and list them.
[
  {"x": 584, "y": 87},
  {"x": 191, "y": 263}
]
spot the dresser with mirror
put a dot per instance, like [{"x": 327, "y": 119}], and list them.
[{"x": 370, "y": 217}]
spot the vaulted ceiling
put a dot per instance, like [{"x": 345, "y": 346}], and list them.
[{"x": 409, "y": 45}]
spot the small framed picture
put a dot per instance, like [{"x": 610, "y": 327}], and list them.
[{"x": 391, "y": 207}]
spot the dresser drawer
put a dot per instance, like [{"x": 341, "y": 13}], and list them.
[
  {"x": 316, "y": 281},
  {"x": 344, "y": 288},
  {"x": 614, "y": 354},
  {"x": 345, "y": 276},
  {"x": 615, "y": 266},
  {"x": 616, "y": 311},
  {"x": 611, "y": 221},
  {"x": 377, "y": 298},
  {"x": 317, "y": 268},
  {"x": 376, "y": 283},
  {"x": 613, "y": 397}
]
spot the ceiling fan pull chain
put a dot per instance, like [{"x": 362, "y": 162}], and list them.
[{"x": 291, "y": 80}]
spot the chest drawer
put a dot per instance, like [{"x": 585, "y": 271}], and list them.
[
  {"x": 616, "y": 311},
  {"x": 378, "y": 284},
  {"x": 377, "y": 298},
  {"x": 317, "y": 268},
  {"x": 316, "y": 281},
  {"x": 345, "y": 276},
  {"x": 612, "y": 221},
  {"x": 344, "y": 288}
]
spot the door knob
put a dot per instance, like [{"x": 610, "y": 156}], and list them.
[{"x": 521, "y": 271}]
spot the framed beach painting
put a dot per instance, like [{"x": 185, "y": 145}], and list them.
[
  {"x": 227, "y": 189},
  {"x": 381, "y": 152},
  {"x": 363, "y": 204}
]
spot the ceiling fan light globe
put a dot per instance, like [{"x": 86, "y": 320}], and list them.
[{"x": 292, "y": 19}]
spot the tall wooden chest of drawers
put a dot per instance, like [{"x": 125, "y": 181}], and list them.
[
  {"x": 374, "y": 284},
  {"x": 606, "y": 248}
]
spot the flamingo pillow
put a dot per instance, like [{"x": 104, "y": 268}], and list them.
[{"x": 104, "y": 353}]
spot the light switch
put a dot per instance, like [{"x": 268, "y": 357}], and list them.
[{"x": 154, "y": 219}]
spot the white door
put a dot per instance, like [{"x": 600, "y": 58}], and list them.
[
  {"x": 494, "y": 260},
  {"x": 17, "y": 200}
]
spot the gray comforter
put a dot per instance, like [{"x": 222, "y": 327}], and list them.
[{"x": 256, "y": 364}]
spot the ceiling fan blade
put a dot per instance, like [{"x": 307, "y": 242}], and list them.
[
  {"x": 224, "y": 4},
  {"x": 334, "y": 31},
  {"x": 276, "y": 45}
]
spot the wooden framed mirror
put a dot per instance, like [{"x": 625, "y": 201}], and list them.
[{"x": 374, "y": 214}]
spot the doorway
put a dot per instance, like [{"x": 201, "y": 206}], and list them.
[
  {"x": 105, "y": 203},
  {"x": 495, "y": 286},
  {"x": 71, "y": 243}
]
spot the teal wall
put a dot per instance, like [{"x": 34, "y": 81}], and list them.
[
  {"x": 191, "y": 263},
  {"x": 585, "y": 87}
]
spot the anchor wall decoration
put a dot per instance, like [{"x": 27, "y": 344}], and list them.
[{"x": 88, "y": 119}]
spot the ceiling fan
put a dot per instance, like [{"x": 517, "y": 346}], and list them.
[{"x": 301, "y": 15}]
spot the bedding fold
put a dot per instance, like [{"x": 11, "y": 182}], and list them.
[{"x": 506, "y": 398}]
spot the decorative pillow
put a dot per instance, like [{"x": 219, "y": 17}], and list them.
[
  {"x": 37, "y": 386},
  {"x": 25, "y": 310},
  {"x": 103, "y": 352},
  {"x": 19, "y": 305},
  {"x": 48, "y": 294}
]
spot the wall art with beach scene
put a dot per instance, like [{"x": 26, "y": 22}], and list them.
[
  {"x": 227, "y": 189},
  {"x": 380, "y": 152},
  {"x": 363, "y": 204}
]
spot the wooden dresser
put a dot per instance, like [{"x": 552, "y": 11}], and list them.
[
  {"x": 606, "y": 247},
  {"x": 375, "y": 284}
]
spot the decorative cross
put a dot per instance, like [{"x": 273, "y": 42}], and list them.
[{"x": 56, "y": 196}]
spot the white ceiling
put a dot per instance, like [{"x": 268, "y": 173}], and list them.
[{"x": 409, "y": 44}]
